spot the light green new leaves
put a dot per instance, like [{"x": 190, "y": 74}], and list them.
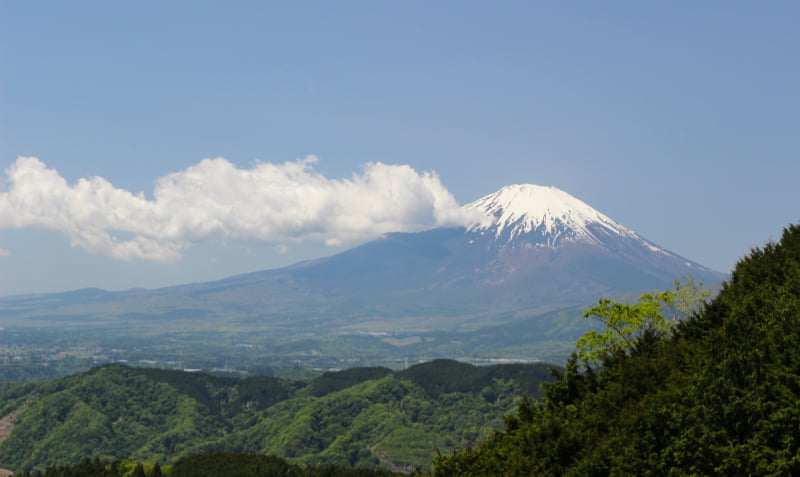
[{"x": 624, "y": 322}]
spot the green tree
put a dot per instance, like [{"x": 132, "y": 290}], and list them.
[
  {"x": 138, "y": 471},
  {"x": 624, "y": 322}
]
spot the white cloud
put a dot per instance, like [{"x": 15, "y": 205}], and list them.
[
  {"x": 269, "y": 203},
  {"x": 4, "y": 252}
]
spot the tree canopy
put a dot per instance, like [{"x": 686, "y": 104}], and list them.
[
  {"x": 623, "y": 322},
  {"x": 715, "y": 396},
  {"x": 361, "y": 417}
]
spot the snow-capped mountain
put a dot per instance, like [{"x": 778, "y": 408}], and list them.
[
  {"x": 540, "y": 248},
  {"x": 537, "y": 231},
  {"x": 524, "y": 209},
  {"x": 527, "y": 214},
  {"x": 539, "y": 244}
]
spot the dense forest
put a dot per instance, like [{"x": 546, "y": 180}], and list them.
[
  {"x": 358, "y": 418},
  {"x": 214, "y": 464},
  {"x": 717, "y": 395}
]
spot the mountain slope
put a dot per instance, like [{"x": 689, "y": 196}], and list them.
[
  {"x": 542, "y": 230},
  {"x": 717, "y": 397},
  {"x": 536, "y": 237},
  {"x": 361, "y": 416}
]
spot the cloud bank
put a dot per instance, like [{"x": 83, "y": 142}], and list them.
[{"x": 270, "y": 203}]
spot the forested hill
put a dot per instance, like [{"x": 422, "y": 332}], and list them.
[
  {"x": 361, "y": 417},
  {"x": 718, "y": 396}
]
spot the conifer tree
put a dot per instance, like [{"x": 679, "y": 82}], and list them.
[{"x": 138, "y": 471}]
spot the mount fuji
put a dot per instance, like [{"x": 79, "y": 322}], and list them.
[
  {"x": 535, "y": 244},
  {"x": 545, "y": 234},
  {"x": 536, "y": 251}
]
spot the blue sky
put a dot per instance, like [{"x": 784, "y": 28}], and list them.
[{"x": 677, "y": 119}]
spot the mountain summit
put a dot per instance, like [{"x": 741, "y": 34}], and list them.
[
  {"x": 544, "y": 235},
  {"x": 555, "y": 216}
]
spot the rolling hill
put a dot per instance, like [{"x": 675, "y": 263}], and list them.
[{"x": 360, "y": 417}]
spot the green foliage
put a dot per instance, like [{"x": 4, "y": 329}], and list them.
[
  {"x": 249, "y": 465},
  {"x": 390, "y": 421},
  {"x": 624, "y": 322},
  {"x": 336, "y": 381},
  {"x": 442, "y": 376},
  {"x": 360, "y": 418},
  {"x": 138, "y": 471},
  {"x": 87, "y": 468},
  {"x": 205, "y": 465},
  {"x": 716, "y": 396}
]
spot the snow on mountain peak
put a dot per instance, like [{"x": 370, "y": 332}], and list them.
[{"x": 523, "y": 208}]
